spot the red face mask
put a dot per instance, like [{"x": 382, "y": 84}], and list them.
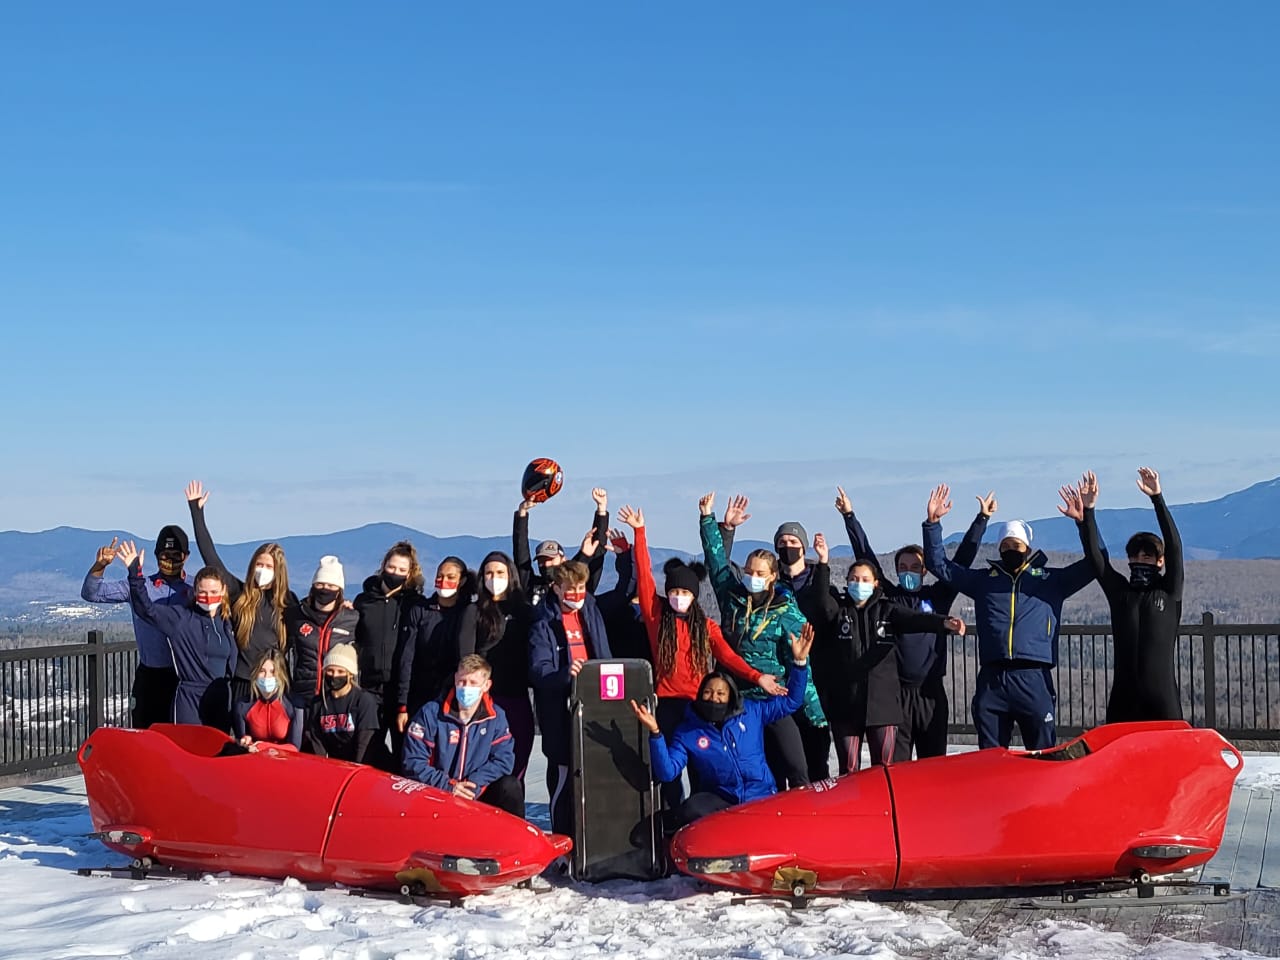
[{"x": 574, "y": 599}]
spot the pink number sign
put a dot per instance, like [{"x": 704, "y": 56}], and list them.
[{"x": 611, "y": 685}]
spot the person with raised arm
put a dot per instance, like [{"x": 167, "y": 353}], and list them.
[
  {"x": 201, "y": 641},
  {"x": 258, "y": 602},
  {"x": 549, "y": 553},
  {"x": 620, "y": 605},
  {"x": 855, "y": 666},
  {"x": 321, "y": 620},
  {"x": 154, "y": 678},
  {"x": 721, "y": 737},
  {"x": 1146, "y": 607},
  {"x": 922, "y": 657},
  {"x": 1018, "y": 605},
  {"x": 430, "y": 653},
  {"x": 759, "y": 613}
]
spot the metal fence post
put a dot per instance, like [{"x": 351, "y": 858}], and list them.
[
  {"x": 1207, "y": 639},
  {"x": 97, "y": 682}
]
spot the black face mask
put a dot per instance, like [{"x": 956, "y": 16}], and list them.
[
  {"x": 1012, "y": 559},
  {"x": 710, "y": 711},
  {"x": 323, "y": 598},
  {"x": 335, "y": 683},
  {"x": 789, "y": 555},
  {"x": 1143, "y": 574},
  {"x": 393, "y": 581}
]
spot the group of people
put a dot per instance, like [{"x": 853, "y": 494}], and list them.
[{"x": 437, "y": 683}]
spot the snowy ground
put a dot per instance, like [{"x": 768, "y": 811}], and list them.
[{"x": 46, "y": 911}]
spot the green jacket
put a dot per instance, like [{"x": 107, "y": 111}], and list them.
[{"x": 761, "y": 634}]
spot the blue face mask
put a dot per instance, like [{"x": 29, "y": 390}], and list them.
[
  {"x": 909, "y": 581},
  {"x": 860, "y": 591},
  {"x": 468, "y": 696},
  {"x": 267, "y": 685},
  {"x": 754, "y": 584}
]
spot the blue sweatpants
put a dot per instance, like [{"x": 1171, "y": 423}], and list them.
[{"x": 1021, "y": 695}]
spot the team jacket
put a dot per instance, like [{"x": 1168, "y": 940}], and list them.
[
  {"x": 440, "y": 749},
  {"x": 275, "y": 721},
  {"x": 309, "y": 633},
  {"x": 430, "y": 653},
  {"x": 153, "y": 645},
  {"x": 202, "y": 648},
  {"x": 549, "y": 664}
]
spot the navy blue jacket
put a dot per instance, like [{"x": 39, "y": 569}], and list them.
[
  {"x": 728, "y": 759},
  {"x": 153, "y": 646},
  {"x": 430, "y": 654},
  {"x": 549, "y": 668},
  {"x": 203, "y": 647},
  {"x": 1018, "y": 613},
  {"x": 440, "y": 750},
  {"x": 922, "y": 657}
]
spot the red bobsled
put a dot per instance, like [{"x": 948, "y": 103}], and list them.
[
  {"x": 166, "y": 795},
  {"x": 1116, "y": 803}
]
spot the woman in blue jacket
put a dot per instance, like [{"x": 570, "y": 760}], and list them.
[
  {"x": 722, "y": 738},
  {"x": 201, "y": 640}
]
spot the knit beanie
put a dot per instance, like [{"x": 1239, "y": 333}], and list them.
[
  {"x": 342, "y": 655},
  {"x": 681, "y": 576},
  {"x": 795, "y": 530},
  {"x": 329, "y": 571}
]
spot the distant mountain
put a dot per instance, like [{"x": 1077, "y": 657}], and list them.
[{"x": 1244, "y": 525}]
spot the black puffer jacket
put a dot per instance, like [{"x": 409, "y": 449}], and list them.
[
  {"x": 309, "y": 635},
  {"x": 430, "y": 654},
  {"x": 507, "y": 651},
  {"x": 381, "y": 632}
]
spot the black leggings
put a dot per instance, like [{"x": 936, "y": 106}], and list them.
[
  {"x": 880, "y": 743},
  {"x": 505, "y": 793},
  {"x": 784, "y": 752}
]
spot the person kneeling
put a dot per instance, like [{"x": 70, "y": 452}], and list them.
[
  {"x": 461, "y": 743},
  {"x": 721, "y": 738}
]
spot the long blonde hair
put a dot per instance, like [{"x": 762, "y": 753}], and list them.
[{"x": 246, "y": 605}]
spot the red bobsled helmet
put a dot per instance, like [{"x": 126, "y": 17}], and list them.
[{"x": 542, "y": 480}]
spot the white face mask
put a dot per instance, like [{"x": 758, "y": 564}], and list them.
[
  {"x": 753, "y": 583},
  {"x": 263, "y": 576},
  {"x": 680, "y": 602},
  {"x": 573, "y": 604},
  {"x": 495, "y": 585},
  {"x": 446, "y": 592},
  {"x": 209, "y": 608}
]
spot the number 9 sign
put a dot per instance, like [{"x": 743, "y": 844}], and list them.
[{"x": 612, "y": 686}]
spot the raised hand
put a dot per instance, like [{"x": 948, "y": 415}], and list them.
[
  {"x": 801, "y": 645},
  {"x": 589, "y": 545},
  {"x": 820, "y": 548},
  {"x": 1072, "y": 503},
  {"x": 707, "y": 503},
  {"x": 632, "y": 518},
  {"x": 106, "y": 555},
  {"x": 601, "y": 497},
  {"x": 1149, "y": 481},
  {"x": 617, "y": 542},
  {"x": 1088, "y": 489},
  {"x": 128, "y": 552},
  {"x": 843, "y": 503},
  {"x": 955, "y": 625},
  {"x": 988, "y": 504},
  {"x": 197, "y": 493},
  {"x": 645, "y": 716},
  {"x": 939, "y": 503},
  {"x": 735, "y": 511},
  {"x": 525, "y": 507},
  {"x": 770, "y": 685}
]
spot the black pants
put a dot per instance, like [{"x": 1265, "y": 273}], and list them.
[
  {"x": 924, "y": 722},
  {"x": 379, "y": 754},
  {"x": 505, "y": 793},
  {"x": 817, "y": 747},
  {"x": 151, "y": 699},
  {"x": 700, "y": 805},
  {"x": 670, "y": 712},
  {"x": 784, "y": 752},
  {"x": 560, "y": 797}
]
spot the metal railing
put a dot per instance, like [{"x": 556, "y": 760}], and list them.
[{"x": 53, "y": 697}]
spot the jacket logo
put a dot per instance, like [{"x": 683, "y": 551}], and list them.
[
  {"x": 926, "y": 606},
  {"x": 1040, "y": 572},
  {"x": 339, "y": 633},
  {"x": 333, "y": 722},
  {"x": 306, "y": 629},
  {"x": 1160, "y": 603},
  {"x": 703, "y": 743},
  {"x": 453, "y": 736},
  {"x": 417, "y": 730}
]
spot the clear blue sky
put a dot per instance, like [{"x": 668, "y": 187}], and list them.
[{"x": 354, "y": 264}]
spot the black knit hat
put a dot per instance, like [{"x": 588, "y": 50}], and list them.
[
  {"x": 172, "y": 537},
  {"x": 683, "y": 576}
]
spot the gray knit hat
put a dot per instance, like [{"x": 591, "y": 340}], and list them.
[{"x": 795, "y": 530}]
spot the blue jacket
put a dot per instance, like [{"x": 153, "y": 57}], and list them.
[
  {"x": 440, "y": 749},
  {"x": 549, "y": 668},
  {"x": 729, "y": 760},
  {"x": 1019, "y": 613},
  {"x": 153, "y": 645},
  {"x": 202, "y": 648}
]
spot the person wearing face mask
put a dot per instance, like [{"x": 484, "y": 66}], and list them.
[
  {"x": 461, "y": 743},
  {"x": 854, "y": 662},
  {"x": 383, "y": 606},
  {"x": 430, "y": 652},
  {"x": 721, "y": 738},
  {"x": 549, "y": 553},
  {"x": 922, "y": 657},
  {"x": 313, "y": 626},
  {"x": 620, "y": 606},
  {"x": 496, "y": 627},
  {"x": 202, "y": 643},
  {"x": 1146, "y": 608},
  {"x": 154, "y": 679},
  {"x": 343, "y": 720},
  {"x": 257, "y": 603},
  {"x": 759, "y": 613},
  {"x": 1018, "y": 606},
  {"x": 567, "y": 631},
  {"x": 268, "y": 718}
]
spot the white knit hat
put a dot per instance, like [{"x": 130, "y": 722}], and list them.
[
  {"x": 343, "y": 655},
  {"x": 329, "y": 571},
  {"x": 1017, "y": 529}
]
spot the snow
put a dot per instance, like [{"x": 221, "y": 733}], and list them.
[{"x": 50, "y": 913}]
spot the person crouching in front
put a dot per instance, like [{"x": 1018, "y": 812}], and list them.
[{"x": 343, "y": 720}]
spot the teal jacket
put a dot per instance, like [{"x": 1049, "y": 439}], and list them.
[{"x": 761, "y": 634}]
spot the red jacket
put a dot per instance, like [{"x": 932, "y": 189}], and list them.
[{"x": 684, "y": 681}]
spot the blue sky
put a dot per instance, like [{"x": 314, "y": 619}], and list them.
[{"x": 351, "y": 264}]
